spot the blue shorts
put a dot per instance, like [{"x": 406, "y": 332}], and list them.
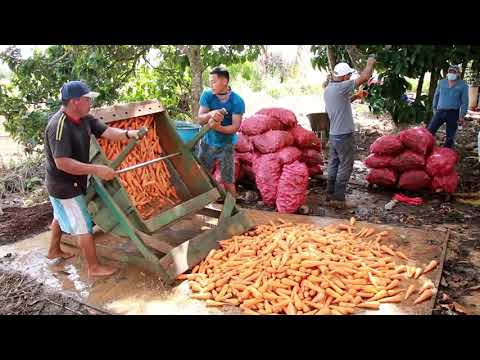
[
  {"x": 72, "y": 215},
  {"x": 208, "y": 154}
]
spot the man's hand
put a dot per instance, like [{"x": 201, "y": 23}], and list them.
[
  {"x": 461, "y": 121},
  {"x": 105, "y": 172},
  {"x": 216, "y": 115},
  {"x": 133, "y": 134},
  {"x": 213, "y": 124}
]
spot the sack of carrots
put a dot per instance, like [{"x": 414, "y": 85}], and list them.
[
  {"x": 149, "y": 188},
  {"x": 298, "y": 269}
]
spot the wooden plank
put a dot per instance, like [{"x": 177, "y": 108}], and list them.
[
  {"x": 181, "y": 210},
  {"x": 191, "y": 252},
  {"x": 127, "y": 111},
  {"x": 228, "y": 207}
]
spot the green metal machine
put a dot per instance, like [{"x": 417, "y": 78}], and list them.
[{"x": 113, "y": 211}]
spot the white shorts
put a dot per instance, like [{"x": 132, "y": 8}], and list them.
[{"x": 72, "y": 215}]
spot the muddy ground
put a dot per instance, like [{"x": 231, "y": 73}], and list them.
[
  {"x": 17, "y": 223},
  {"x": 23, "y": 295},
  {"x": 459, "y": 292}
]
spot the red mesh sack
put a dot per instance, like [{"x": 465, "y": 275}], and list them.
[
  {"x": 312, "y": 157},
  {"x": 374, "y": 161},
  {"x": 246, "y": 157},
  {"x": 286, "y": 117},
  {"x": 408, "y": 160},
  {"x": 289, "y": 154},
  {"x": 292, "y": 188},
  {"x": 441, "y": 162},
  {"x": 272, "y": 141},
  {"x": 244, "y": 144},
  {"x": 268, "y": 170},
  {"x": 447, "y": 183},
  {"x": 417, "y": 139},
  {"x": 386, "y": 145},
  {"x": 315, "y": 170},
  {"x": 384, "y": 177},
  {"x": 414, "y": 180},
  {"x": 305, "y": 138},
  {"x": 259, "y": 124}
]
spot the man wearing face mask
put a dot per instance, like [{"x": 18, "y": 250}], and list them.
[
  {"x": 450, "y": 105},
  {"x": 338, "y": 97},
  {"x": 218, "y": 143}
]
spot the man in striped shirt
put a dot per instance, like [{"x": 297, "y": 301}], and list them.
[{"x": 67, "y": 149}]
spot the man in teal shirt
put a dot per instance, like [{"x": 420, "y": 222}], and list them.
[
  {"x": 219, "y": 142},
  {"x": 450, "y": 105}
]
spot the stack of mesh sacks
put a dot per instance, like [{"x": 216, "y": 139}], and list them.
[
  {"x": 411, "y": 161},
  {"x": 278, "y": 155}
]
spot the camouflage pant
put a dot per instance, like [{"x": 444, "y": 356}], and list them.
[{"x": 208, "y": 154}]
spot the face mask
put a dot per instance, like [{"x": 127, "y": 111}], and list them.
[{"x": 451, "y": 76}]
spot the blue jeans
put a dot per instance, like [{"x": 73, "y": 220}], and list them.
[
  {"x": 450, "y": 117},
  {"x": 340, "y": 164}
]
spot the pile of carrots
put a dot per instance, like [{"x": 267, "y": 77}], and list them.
[
  {"x": 303, "y": 269},
  {"x": 149, "y": 188}
]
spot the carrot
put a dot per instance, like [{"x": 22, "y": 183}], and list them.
[
  {"x": 379, "y": 295},
  {"x": 201, "y": 296},
  {"x": 393, "y": 284},
  {"x": 401, "y": 255},
  {"x": 324, "y": 311},
  {"x": 427, "y": 285},
  {"x": 409, "y": 292},
  {"x": 369, "y": 305},
  {"x": 418, "y": 272},
  {"x": 432, "y": 265},
  {"x": 250, "y": 312},
  {"x": 427, "y": 294},
  {"x": 352, "y": 221},
  {"x": 214, "y": 303},
  {"x": 391, "y": 299}
]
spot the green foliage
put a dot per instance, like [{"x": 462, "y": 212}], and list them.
[
  {"x": 33, "y": 92},
  {"x": 320, "y": 58},
  {"x": 117, "y": 72},
  {"x": 394, "y": 64},
  {"x": 388, "y": 97}
]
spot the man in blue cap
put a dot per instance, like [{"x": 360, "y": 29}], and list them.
[
  {"x": 450, "y": 105},
  {"x": 67, "y": 149}
]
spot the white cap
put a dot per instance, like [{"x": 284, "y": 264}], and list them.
[
  {"x": 91, "y": 94},
  {"x": 342, "y": 69}
]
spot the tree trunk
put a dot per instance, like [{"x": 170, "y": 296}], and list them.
[
  {"x": 356, "y": 56},
  {"x": 419, "y": 87},
  {"x": 434, "y": 77},
  {"x": 332, "y": 61},
  {"x": 464, "y": 68},
  {"x": 196, "y": 70}
]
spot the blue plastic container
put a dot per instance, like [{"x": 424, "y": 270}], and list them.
[{"x": 186, "y": 130}]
